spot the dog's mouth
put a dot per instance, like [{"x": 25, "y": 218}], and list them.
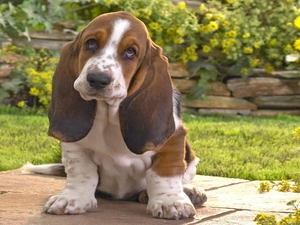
[{"x": 106, "y": 95}]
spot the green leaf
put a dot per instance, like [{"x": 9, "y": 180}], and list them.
[
  {"x": 291, "y": 203},
  {"x": 14, "y": 85}
]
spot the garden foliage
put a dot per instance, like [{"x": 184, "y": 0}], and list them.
[{"x": 239, "y": 35}]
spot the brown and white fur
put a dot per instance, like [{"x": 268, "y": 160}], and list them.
[{"x": 117, "y": 115}]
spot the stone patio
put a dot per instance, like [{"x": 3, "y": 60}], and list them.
[{"x": 230, "y": 201}]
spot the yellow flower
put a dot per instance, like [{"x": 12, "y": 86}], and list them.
[
  {"x": 230, "y": 34},
  {"x": 108, "y": 2},
  {"x": 180, "y": 31},
  {"x": 257, "y": 44},
  {"x": 219, "y": 17},
  {"x": 181, "y": 5},
  {"x": 171, "y": 30},
  {"x": 34, "y": 91},
  {"x": 48, "y": 87},
  {"x": 213, "y": 42},
  {"x": 297, "y": 44},
  {"x": 202, "y": 8},
  {"x": 248, "y": 50},
  {"x": 245, "y": 71},
  {"x": 21, "y": 104},
  {"x": 212, "y": 26},
  {"x": 155, "y": 26},
  {"x": 225, "y": 23},
  {"x": 225, "y": 51},
  {"x": 228, "y": 43},
  {"x": 178, "y": 40},
  {"x": 254, "y": 62},
  {"x": 269, "y": 68},
  {"x": 273, "y": 42},
  {"x": 288, "y": 48},
  {"x": 296, "y": 133},
  {"x": 147, "y": 12},
  {"x": 159, "y": 42},
  {"x": 190, "y": 54},
  {"x": 208, "y": 15},
  {"x": 205, "y": 48},
  {"x": 297, "y": 22}
]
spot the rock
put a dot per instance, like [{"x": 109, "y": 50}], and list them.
[
  {"x": 218, "y": 102},
  {"x": 10, "y": 58},
  {"x": 277, "y": 102},
  {"x": 178, "y": 70},
  {"x": 53, "y": 41},
  {"x": 217, "y": 88},
  {"x": 41, "y": 43},
  {"x": 264, "y": 112},
  {"x": 184, "y": 85},
  {"x": 6, "y": 70},
  {"x": 54, "y": 35},
  {"x": 263, "y": 86}
]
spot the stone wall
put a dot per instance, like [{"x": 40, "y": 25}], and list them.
[{"x": 260, "y": 95}]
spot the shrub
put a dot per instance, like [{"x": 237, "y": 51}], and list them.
[
  {"x": 239, "y": 35},
  {"x": 33, "y": 74},
  {"x": 250, "y": 33}
]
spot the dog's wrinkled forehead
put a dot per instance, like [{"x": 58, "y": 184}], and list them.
[
  {"x": 112, "y": 34},
  {"x": 113, "y": 26}
]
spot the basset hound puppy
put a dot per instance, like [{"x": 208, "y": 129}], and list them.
[{"x": 117, "y": 115}]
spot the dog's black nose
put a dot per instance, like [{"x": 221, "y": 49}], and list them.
[{"x": 98, "y": 80}]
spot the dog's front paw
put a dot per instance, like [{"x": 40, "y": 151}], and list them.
[
  {"x": 70, "y": 202},
  {"x": 196, "y": 195},
  {"x": 170, "y": 206}
]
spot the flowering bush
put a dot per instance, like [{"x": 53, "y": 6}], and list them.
[
  {"x": 250, "y": 33},
  {"x": 296, "y": 133},
  {"x": 38, "y": 74},
  {"x": 35, "y": 71},
  {"x": 238, "y": 34},
  {"x": 292, "y": 218},
  {"x": 172, "y": 27}
]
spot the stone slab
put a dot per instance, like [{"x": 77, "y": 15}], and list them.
[
  {"x": 245, "y": 196},
  {"x": 178, "y": 70},
  {"x": 6, "y": 70},
  {"x": 24, "y": 195},
  {"x": 217, "y": 88},
  {"x": 184, "y": 85},
  {"x": 263, "y": 86},
  {"x": 218, "y": 102},
  {"x": 277, "y": 102},
  {"x": 230, "y": 201}
]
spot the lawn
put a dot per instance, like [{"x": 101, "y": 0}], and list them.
[
  {"x": 229, "y": 146},
  {"x": 24, "y": 138},
  {"x": 245, "y": 147}
]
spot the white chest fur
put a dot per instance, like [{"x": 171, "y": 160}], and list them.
[{"x": 121, "y": 172}]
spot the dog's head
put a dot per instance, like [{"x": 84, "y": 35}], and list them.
[{"x": 114, "y": 60}]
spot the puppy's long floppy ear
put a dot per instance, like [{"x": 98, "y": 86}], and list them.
[
  {"x": 146, "y": 115},
  {"x": 71, "y": 117}
]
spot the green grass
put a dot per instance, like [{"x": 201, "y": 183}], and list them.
[
  {"x": 229, "y": 146},
  {"x": 24, "y": 138},
  {"x": 245, "y": 147}
]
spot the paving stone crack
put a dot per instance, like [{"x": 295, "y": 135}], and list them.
[{"x": 227, "y": 185}]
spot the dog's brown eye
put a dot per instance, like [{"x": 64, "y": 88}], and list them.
[
  {"x": 129, "y": 53},
  {"x": 92, "y": 45}
]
